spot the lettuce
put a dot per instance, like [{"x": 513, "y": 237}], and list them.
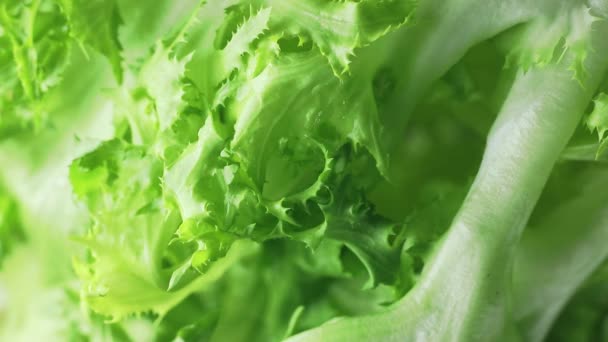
[{"x": 303, "y": 170}]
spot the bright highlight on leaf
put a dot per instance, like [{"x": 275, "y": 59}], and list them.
[{"x": 303, "y": 170}]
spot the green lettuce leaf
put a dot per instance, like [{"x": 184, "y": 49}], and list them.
[{"x": 37, "y": 39}]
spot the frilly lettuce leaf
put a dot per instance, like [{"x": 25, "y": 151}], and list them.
[
  {"x": 545, "y": 39},
  {"x": 95, "y": 23},
  {"x": 597, "y": 121},
  {"x": 130, "y": 233},
  {"x": 287, "y": 288},
  {"x": 224, "y": 145},
  {"x": 359, "y": 24},
  {"x": 249, "y": 170},
  {"x": 36, "y": 41}
]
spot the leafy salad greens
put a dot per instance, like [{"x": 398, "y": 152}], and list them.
[{"x": 304, "y": 170}]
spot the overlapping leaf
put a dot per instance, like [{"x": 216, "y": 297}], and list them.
[
  {"x": 36, "y": 40},
  {"x": 546, "y": 38},
  {"x": 597, "y": 121}
]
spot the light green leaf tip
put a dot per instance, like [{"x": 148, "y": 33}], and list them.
[{"x": 598, "y": 121}]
